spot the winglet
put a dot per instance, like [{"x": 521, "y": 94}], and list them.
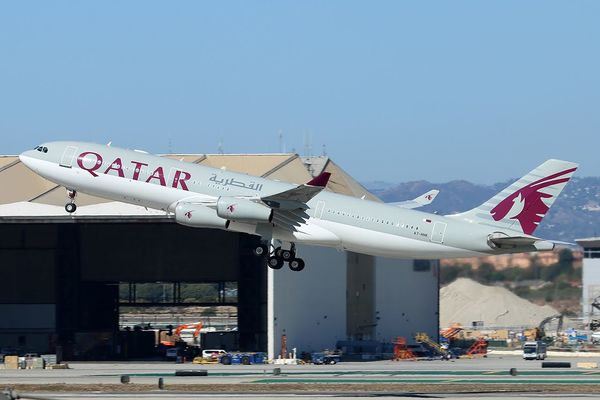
[
  {"x": 427, "y": 198},
  {"x": 422, "y": 200},
  {"x": 320, "y": 180}
]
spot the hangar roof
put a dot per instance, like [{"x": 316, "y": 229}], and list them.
[
  {"x": 22, "y": 186},
  {"x": 590, "y": 243}
]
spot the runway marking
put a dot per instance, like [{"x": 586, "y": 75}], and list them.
[
  {"x": 373, "y": 373},
  {"x": 435, "y": 381}
]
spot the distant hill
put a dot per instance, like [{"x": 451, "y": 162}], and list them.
[{"x": 576, "y": 213}]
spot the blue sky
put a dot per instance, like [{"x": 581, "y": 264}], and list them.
[{"x": 395, "y": 90}]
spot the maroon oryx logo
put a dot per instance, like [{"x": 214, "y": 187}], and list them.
[
  {"x": 526, "y": 204},
  {"x": 231, "y": 208},
  {"x": 188, "y": 215}
]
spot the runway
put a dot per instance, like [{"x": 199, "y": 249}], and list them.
[{"x": 485, "y": 377}]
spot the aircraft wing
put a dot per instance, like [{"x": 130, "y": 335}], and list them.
[
  {"x": 298, "y": 196},
  {"x": 420, "y": 201},
  {"x": 289, "y": 206}
]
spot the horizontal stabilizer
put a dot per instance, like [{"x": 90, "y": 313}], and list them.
[{"x": 513, "y": 242}]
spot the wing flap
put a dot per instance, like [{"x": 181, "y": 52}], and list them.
[{"x": 289, "y": 207}]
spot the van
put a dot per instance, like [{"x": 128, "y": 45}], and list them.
[{"x": 534, "y": 350}]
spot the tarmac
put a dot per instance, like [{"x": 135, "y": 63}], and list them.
[{"x": 463, "y": 378}]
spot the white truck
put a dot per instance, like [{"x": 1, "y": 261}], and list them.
[{"x": 534, "y": 350}]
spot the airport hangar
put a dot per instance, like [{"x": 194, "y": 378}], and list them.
[{"x": 61, "y": 274}]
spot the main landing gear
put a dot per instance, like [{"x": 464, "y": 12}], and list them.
[
  {"x": 70, "y": 207},
  {"x": 279, "y": 256}
]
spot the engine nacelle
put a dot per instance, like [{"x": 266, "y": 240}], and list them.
[
  {"x": 243, "y": 210},
  {"x": 198, "y": 216}
]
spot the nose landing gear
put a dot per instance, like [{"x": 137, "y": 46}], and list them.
[
  {"x": 70, "y": 207},
  {"x": 278, "y": 256}
]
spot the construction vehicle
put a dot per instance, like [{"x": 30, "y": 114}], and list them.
[
  {"x": 546, "y": 321},
  {"x": 176, "y": 336},
  {"x": 594, "y": 322},
  {"x": 424, "y": 338}
]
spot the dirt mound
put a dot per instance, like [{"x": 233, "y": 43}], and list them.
[{"x": 464, "y": 301}]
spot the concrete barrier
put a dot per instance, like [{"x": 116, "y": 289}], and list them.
[
  {"x": 191, "y": 372},
  {"x": 556, "y": 364}
]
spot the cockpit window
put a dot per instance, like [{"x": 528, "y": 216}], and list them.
[{"x": 41, "y": 149}]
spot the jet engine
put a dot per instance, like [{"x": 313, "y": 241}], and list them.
[
  {"x": 237, "y": 209},
  {"x": 198, "y": 216}
]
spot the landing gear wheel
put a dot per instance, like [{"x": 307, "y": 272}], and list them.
[
  {"x": 278, "y": 252},
  {"x": 288, "y": 255},
  {"x": 70, "y": 208},
  {"x": 296, "y": 264},
  {"x": 275, "y": 262},
  {"x": 260, "y": 250}
]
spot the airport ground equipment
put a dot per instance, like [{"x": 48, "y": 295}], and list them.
[
  {"x": 325, "y": 358},
  {"x": 204, "y": 360},
  {"x": 401, "y": 352},
  {"x": 424, "y": 338},
  {"x": 451, "y": 331},
  {"x": 534, "y": 350},
  {"x": 478, "y": 348},
  {"x": 209, "y": 356},
  {"x": 243, "y": 358}
]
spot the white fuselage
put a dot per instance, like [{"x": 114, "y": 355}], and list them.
[{"x": 335, "y": 220}]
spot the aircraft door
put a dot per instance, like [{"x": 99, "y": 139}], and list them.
[
  {"x": 439, "y": 229},
  {"x": 67, "y": 158},
  {"x": 319, "y": 209}
]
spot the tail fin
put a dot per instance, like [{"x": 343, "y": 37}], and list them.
[{"x": 521, "y": 206}]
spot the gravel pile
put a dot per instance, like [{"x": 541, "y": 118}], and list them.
[{"x": 464, "y": 301}]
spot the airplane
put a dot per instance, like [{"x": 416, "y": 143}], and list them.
[{"x": 280, "y": 212}]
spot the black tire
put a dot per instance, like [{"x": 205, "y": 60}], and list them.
[
  {"x": 70, "y": 207},
  {"x": 226, "y": 360},
  {"x": 296, "y": 265},
  {"x": 260, "y": 251},
  {"x": 275, "y": 262},
  {"x": 277, "y": 252},
  {"x": 245, "y": 360},
  {"x": 330, "y": 361},
  {"x": 287, "y": 255}
]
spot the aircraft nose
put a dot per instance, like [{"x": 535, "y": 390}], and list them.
[{"x": 27, "y": 156}]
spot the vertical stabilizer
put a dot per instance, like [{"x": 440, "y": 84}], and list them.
[{"x": 521, "y": 206}]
